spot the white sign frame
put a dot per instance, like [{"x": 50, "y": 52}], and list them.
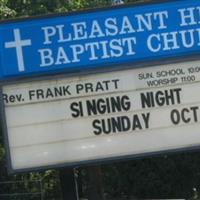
[{"x": 85, "y": 162}]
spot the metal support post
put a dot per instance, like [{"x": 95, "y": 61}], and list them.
[
  {"x": 68, "y": 184},
  {"x": 95, "y": 189}
]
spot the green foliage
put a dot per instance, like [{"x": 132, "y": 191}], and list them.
[
  {"x": 5, "y": 11},
  {"x": 23, "y": 8},
  {"x": 2, "y": 152},
  {"x": 167, "y": 177}
]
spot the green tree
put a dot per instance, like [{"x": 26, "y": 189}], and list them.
[
  {"x": 5, "y": 11},
  {"x": 22, "y": 8}
]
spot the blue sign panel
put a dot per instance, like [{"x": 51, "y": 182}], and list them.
[{"x": 95, "y": 39}]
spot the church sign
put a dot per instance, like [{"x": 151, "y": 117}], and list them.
[
  {"x": 91, "y": 40},
  {"x": 115, "y": 115},
  {"x": 111, "y": 95}
]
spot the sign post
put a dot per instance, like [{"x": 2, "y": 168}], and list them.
[
  {"x": 95, "y": 188},
  {"x": 68, "y": 184}
]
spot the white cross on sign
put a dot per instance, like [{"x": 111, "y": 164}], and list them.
[{"x": 18, "y": 44}]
